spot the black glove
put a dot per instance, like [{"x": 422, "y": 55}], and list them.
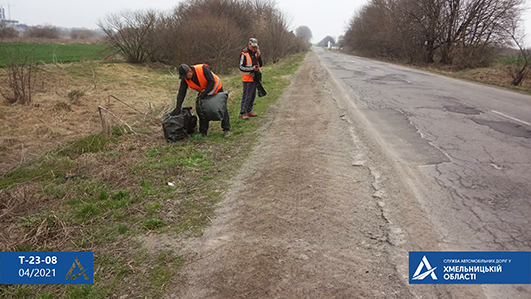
[
  {"x": 176, "y": 111},
  {"x": 201, "y": 95}
]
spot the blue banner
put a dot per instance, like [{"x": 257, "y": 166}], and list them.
[
  {"x": 469, "y": 267},
  {"x": 46, "y": 267}
]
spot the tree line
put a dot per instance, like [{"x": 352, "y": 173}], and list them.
[
  {"x": 461, "y": 33},
  {"x": 45, "y": 32},
  {"x": 201, "y": 31}
]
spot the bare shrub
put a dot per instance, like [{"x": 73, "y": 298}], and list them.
[
  {"x": 81, "y": 34},
  {"x": 131, "y": 34},
  {"x": 210, "y": 31},
  {"x": 202, "y": 31},
  {"x": 19, "y": 73},
  {"x": 166, "y": 37},
  {"x": 473, "y": 57},
  {"x": 219, "y": 42},
  {"x": 7, "y": 32},
  {"x": 215, "y": 31},
  {"x": 242, "y": 13},
  {"x": 48, "y": 32}
]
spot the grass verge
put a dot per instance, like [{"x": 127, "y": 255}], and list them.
[{"x": 130, "y": 199}]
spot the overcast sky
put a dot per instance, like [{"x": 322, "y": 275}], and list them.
[{"x": 324, "y": 18}]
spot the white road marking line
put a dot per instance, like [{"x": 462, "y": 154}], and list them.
[{"x": 513, "y": 118}]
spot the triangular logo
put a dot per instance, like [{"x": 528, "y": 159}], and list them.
[
  {"x": 70, "y": 276},
  {"x": 429, "y": 270}
]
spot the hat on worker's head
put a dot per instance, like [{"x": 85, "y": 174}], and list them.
[
  {"x": 253, "y": 42},
  {"x": 183, "y": 70}
]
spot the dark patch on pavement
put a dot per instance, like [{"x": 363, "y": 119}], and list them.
[
  {"x": 462, "y": 109},
  {"x": 387, "y": 79},
  {"x": 403, "y": 137},
  {"x": 504, "y": 127}
]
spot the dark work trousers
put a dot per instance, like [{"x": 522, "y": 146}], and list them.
[
  {"x": 248, "y": 96},
  {"x": 225, "y": 123}
]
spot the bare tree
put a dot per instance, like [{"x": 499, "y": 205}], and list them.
[
  {"x": 271, "y": 31},
  {"x": 519, "y": 69},
  {"x": 422, "y": 19},
  {"x": 131, "y": 34},
  {"x": 304, "y": 33},
  {"x": 459, "y": 32},
  {"x": 471, "y": 26},
  {"x": 369, "y": 31}
]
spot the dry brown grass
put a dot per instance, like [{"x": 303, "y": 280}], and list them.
[
  {"x": 26, "y": 132},
  {"x": 29, "y": 131},
  {"x": 497, "y": 75},
  {"x": 16, "y": 202}
]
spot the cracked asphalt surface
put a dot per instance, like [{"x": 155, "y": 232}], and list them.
[
  {"x": 359, "y": 163},
  {"x": 466, "y": 147}
]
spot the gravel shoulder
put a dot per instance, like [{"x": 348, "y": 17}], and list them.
[{"x": 318, "y": 210}]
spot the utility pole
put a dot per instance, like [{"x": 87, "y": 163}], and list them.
[{"x": 9, "y": 9}]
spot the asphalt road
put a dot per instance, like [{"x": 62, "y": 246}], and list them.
[{"x": 464, "y": 148}]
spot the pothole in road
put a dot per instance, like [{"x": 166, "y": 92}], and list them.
[
  {"x": 504, "y": 127},
  {"x": 462, "y": 109},
  {"x": 387, "y": 79}
]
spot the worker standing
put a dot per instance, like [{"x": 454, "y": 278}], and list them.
[{"x": 250, "y": 64}]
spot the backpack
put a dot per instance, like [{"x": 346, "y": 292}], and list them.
[{"x": 178, "y": 127}]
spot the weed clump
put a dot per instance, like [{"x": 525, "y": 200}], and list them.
[
  {"x": 75, "y": 95},
  {"x": 153, "y": 223}
]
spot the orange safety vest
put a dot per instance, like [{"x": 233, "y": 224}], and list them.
[
  {"x": 246, "y": 76},
  {"x": 203, "y": 81}
]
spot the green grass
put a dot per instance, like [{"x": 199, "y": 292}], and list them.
[
  {"x": 89, "y": 144},
  {"x": 151, "y": 224},
  {"x": 44, "y": 170},
  {"x": 52, "y": 53},
  {"x": 169, "y": 157},
  {"x": 511, "y": 59},
  {"x": 166, "y": 266}
]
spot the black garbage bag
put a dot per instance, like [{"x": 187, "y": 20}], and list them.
[
  {"x": 261, "y": 91},
  {"x": 212, "y": 107},
  {"x": 260, "y": 88},
  {"x": 178, "y": 127}
]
